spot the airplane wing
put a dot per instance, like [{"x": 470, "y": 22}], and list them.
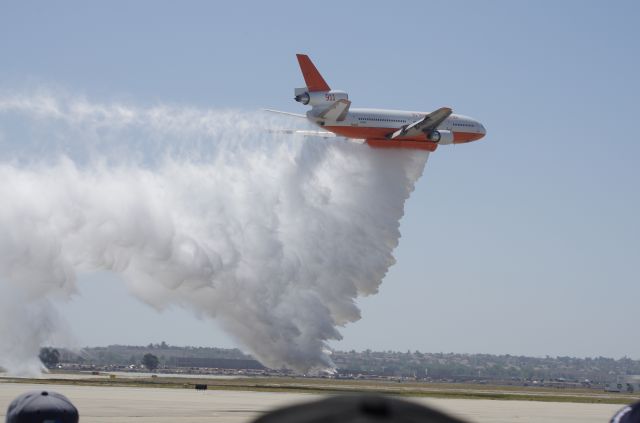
[
  {"x": 337, "y": 111},
  {"x": 426, "y": 124},
  {"x": 301, "y": 132}
]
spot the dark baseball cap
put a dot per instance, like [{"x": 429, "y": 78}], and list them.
[
  {"x": 41, "y": 407},
  {"x": 357, "y": 409},
  {"x": 629, "y": 414}
]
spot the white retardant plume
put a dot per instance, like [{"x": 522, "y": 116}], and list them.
[{"x": 274, "y": 235}]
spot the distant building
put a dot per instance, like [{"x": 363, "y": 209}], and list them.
[
  {"x": 624, "y": 384},
  {"x": 215, "y": 363}
]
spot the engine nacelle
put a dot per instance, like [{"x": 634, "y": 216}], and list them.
[
  {"x": 441, "y": 136},
  {"x": 319, "y": 98},
  {"x": 303, "y": 97}
]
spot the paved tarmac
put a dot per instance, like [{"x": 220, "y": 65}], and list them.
[
  {"x": 116, "y": 404},
  {"x": 123, "y": 375}
]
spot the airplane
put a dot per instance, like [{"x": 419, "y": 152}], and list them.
[{"x": 331, "y": 110}]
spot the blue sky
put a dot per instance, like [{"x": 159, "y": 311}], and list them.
[{"x": 526, "y": 242}]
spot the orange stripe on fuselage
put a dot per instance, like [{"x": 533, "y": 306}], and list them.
[
  {"x": 462, "y": 137},
  {"x": 368, "y": 132}
]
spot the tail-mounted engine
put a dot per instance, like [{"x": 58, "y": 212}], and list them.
[{"x": 319, "y": 98}]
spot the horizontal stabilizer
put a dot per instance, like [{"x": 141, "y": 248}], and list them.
[{"x": 337, "y": 111}]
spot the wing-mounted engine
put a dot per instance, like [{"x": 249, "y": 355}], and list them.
[
  {"x": 441, "y": 136},
  {"x": 427, "y": 125}
]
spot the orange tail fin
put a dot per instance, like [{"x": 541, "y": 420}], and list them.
[{"x": 313, "y": 79}]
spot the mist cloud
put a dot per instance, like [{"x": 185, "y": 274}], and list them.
[{"x": 273, "y": 235}]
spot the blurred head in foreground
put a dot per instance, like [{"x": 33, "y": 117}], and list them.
[
  {"x": 629, "y": 414},
  {"x": 357, "y": 409},
  {"x": 41, "y": 407}
]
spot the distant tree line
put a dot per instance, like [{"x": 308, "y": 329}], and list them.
[
  {"x": 388, "y": 363},
  {"x": 484, "y": 366}
]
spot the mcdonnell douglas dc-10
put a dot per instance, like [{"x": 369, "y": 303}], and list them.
[{"x": 330, "y": 109}]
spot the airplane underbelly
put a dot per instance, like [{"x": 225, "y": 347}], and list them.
[
  {"x": 377, "y": 137},
  {"x": 408, "y": 144},
  {"x": 361, "y": 132}
]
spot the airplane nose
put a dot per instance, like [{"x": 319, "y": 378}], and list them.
[
  {"x": 477, "y": 132},
  {"x": 481, "y": 131}
]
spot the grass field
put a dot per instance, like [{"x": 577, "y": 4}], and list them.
[{"x": 328, "y": 386}]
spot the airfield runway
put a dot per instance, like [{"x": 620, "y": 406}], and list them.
[{"x": 118, "y": 404}]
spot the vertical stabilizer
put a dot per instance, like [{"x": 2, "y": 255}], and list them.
[{"x": 313, "y": 79}]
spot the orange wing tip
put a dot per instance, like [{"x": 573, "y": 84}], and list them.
[{"x": 313, "y": 79}]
